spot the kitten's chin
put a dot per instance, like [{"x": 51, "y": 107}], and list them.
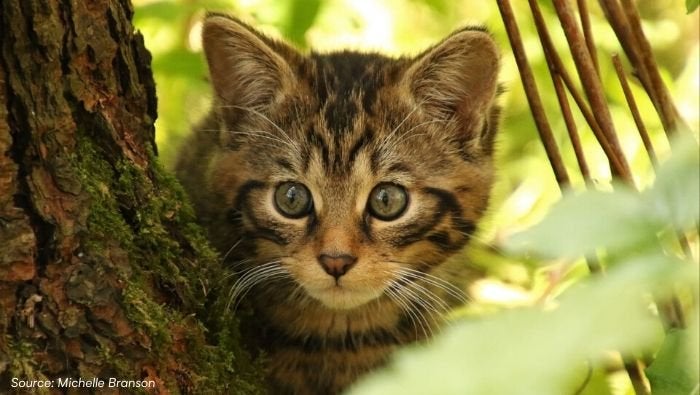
[{"x": 342, "y": 298}]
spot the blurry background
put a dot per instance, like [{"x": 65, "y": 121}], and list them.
[{"x": 526, "y": 186}]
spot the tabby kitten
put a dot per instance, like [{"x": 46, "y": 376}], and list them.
[{"x": 338, "y": 185}]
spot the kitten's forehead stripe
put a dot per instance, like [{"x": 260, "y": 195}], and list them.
[
  {"x": 317, "y": 141},
  {"x": 346, "y": 85},
  {"x": 361, "y": 143},
  {"x": 281, "y": 162}
]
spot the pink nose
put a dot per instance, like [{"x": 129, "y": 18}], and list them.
[{"x": 337, "y": 265}]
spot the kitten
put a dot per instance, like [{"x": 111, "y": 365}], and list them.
[{"x": 338, "y": 185}]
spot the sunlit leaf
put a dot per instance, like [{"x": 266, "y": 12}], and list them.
[
  {"x": 676, "y": 191},
  {"x": 691, "y": 5},
  {"x": 579, "y": 224},
  {"x": 531, "y": 351}
]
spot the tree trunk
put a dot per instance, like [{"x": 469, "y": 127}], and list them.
[{"x": 103, "y": 273}]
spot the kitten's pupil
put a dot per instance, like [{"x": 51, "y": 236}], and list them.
[
  {"x": 384, "y": 196},
  {"x": 293, "y": 200},
  {"x": 388, "y": 201}
]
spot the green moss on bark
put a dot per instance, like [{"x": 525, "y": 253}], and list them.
[{"x": 141, "y": 225}]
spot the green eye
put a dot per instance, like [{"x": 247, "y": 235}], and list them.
[
  {"x": 387, "y": 201},
  {"x": 293, "y": 200}
]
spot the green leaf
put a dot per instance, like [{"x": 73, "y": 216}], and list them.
[
  {"x": 676, "y": 191},
  {"x": 691, "y": 5},
  {"x": 539, "y": 351},
  {"x": 675, "y": 369},
  {"x": 624, "y": 219},
  {"x": 580, "y": 224}
]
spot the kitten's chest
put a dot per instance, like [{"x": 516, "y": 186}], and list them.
[{"x": 312, "y": 351}]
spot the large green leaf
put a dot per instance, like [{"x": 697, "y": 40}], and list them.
[
  {"x": 538, "y": 351},
  {"x": 676, "y": 192},
  {"x": 580, "y": 224},
  {"x": 622, "y": 220},
  {"x": 676, "y": 369}
]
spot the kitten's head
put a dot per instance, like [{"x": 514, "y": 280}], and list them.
[{"x": 352, "y": 172}]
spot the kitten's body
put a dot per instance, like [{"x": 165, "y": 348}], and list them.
[{"x": 341, "y": 285}]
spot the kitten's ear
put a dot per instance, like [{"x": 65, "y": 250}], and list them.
[
  {"x": 459, "y": 76},
  {"x": 247, "y": 69}
]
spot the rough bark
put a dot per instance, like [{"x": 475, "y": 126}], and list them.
[{"x": 102, "y": 271}]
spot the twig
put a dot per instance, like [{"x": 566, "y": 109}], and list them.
[
  {"x": 587, "y": 32},
  {"x": 670, "y": 117},
  {"x": 626, "y": 24},
  {"x": 682, "y": 239},
  {"x": 571, "y": 127},
  {"x": 591, "y": 84},
  {"x": 634, "y": 110},
  {"x": 532, "y": 93},
  {"x": 563, "y": 101},
  {"x": 555, "y": 62},
  {"x": 636, "y": 374}
]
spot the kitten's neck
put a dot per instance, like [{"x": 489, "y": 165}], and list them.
[{"x": 306, "y": 319}]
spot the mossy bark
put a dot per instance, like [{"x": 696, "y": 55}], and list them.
[{"x": 103, "y": 272}]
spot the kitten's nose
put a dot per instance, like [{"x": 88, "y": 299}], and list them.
[{"x": 337, "y": 265}]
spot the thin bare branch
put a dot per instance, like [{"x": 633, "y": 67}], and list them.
[
  {"x": 631, "y": 102},
  {"x": 636, "y": 374},
  {"x": 532, "y": 93},
  {"x": 625, "y": 21},
  {"x": 591, "y": 84},
  {"x": 571, "y": 127},
  {"x": 588, "y": 32},
  {"x": 554, "y": 62}
]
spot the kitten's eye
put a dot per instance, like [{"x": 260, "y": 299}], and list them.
[
  {"x": 293, "y": 200},
  {"x": 387, "y": 201}
]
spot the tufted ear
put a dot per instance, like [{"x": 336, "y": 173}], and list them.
[
  {"x": 247, "y": 69},
  {"x": 458, "y": 78}
]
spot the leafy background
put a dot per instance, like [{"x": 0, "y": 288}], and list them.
[{"x": 539, "y": 324}]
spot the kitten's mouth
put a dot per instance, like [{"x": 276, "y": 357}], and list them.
[{"x": 342, "y": 297}]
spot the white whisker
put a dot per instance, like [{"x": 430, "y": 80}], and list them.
[
  {"x": 230, "y": 250},
  {"x": 399, "y": 301},
  {"x": 446, "y": 286},
  {"x": 251, "y": 277}
]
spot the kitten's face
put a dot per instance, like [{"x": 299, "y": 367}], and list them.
[{"x": 353, "y": 173}]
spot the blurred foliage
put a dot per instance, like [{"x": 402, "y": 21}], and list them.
[
  {"x": 692, "y": 5},
  {"x": 555, "y": 343}
]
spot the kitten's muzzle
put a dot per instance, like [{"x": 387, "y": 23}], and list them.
[{"x": 337, "y": 265}]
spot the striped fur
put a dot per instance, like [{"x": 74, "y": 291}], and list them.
[{"x": 341, "y": 123}]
